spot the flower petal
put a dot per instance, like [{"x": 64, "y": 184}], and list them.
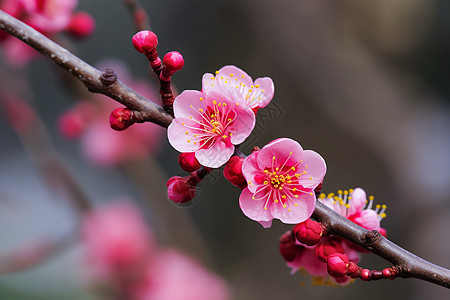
[
  {"x": 178, "y": 138},
  {"x": 292, "y": 214},
  {"x": 286, "y": 151},
  {"x": 187, "y": 104},
  {"x": 250, "y": 170},
  {"x": 215, "y": 156},
  {"x": 254, "y": 209},
  {"x": 263, "y": 92},
  {"x": 243, "y": 125},
  {"x": 368, "y": 219},
  {"x": 357, "y": 202},
  {"x": 314, "y": 166}
]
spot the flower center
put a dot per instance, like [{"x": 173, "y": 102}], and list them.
[{"x": 278, "y": 181}]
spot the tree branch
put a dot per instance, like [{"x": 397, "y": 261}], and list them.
[
  {"x": 87, "y": 74},
  {"x": 408, "y": 264}
]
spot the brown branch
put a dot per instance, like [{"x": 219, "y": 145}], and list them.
[
  {"x": 407, "y": 264},
  {"x": 88, "y": 75}
]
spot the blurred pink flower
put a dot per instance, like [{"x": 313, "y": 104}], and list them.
[
  {"x": 103, "y": 145},
  {"x": 281, "y": 179},
  {"x": 174, "y": 276},
  {"x": 118, "y": 242},
  {"x": 210, "y": 124},
  {"x": 256, "y": 95}
]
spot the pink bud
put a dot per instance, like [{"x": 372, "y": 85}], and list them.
[
  {"x": 173, "y": 61},
  {"x": 121, "y": 118},
  {"x": 366, "y": 274},
  {"x": 337, "y": 265},
  {"x": 188, "y": 162},
  {"x": 181, "y": 189},
  {"x": 328, "y": 248},
  {"x": 288, "y": 248},
  {"x": 233, "y": 171},
  {"x": 144, "y": 41},
  {"x": 308, "y": 232},
  {"x": 81, "y": 25}
]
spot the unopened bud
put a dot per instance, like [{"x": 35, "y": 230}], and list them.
[
  {"x": 81, "y": 25},
  {"x": 288, "y": 248},
  {"x": 328, "y": 248},
  {"x": 145, "y": 41},
  {"x": 366, "y": 274},
  {"x": 181, "y": 189},
  {"x": 337, "y": 265},
  {"x": 308, "y": 232},
  {"x": 233, "y": 171},
  {"x": 172, "y": 62},
  {"x": 188, "y": 162},
  {"x": 121, "y": 118}
]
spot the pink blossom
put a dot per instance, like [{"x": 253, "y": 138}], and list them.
[
  {"x": 117, "y": 240},
  {"x": 174, "y": 276},
  {"x": 281, "y": 180},
  {"x": 210, "y": 124},
  {"x": 50, "y": 16},
  {"x": 353, "y": 205},
  {"x": 256, "y": 95}
]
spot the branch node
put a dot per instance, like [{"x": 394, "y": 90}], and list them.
[
  {"x": 108, "y": 77},
  {"x": 371, "y": 238}
]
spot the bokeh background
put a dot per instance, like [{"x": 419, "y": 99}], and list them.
[{"x": 363, "y": 83}]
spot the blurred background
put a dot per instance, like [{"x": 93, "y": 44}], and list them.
[{"x": 363, "y": 83}]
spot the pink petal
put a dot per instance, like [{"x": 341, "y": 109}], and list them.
[
  {"x": 250, "y": 170},
  {"x": 254, "y": 209},
  {"x": 208, "y": 82},
  {"x": 178, "y": 137},
  {"x": 313, "y": 264},
  {"x": 238, "y": 74},
  {"x": 215, "y": 156},
  {"x": 314, "y": 166},
  {"x": 243, "y": 126},
  {"x": 266, "y": 224},
  {"x": 267, "y": 91},
  {"x": 368, "y": 219},
  {"x": 281, "y": 149},
  {"x": 357, "y": 202},
  {"x": 187, "y": 104},
  {"x": 292, "y": 214}
]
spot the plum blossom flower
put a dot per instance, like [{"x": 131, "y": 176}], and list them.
[
  {"x": 174, "y": 276},
  {"x": 281, "y": 179},
  {"x": 117, "y": 241},
  {"x": 210, "y": 123},
  {"x": 256, "y": 95},
  {"x": 353, "y": 205}
]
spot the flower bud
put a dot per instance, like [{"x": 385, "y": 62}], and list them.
[
  {"x": 81, "y": 25},
  {"x": 173, "y": 62},
  {"x": 121, "y": 118},
  {"x": 308, "y": 232},
  {"x": 288, "y": 248},
  {"x": 188, "y": 162},
  {"x": 337, "y": 265},
  {"x": 181, "y": 189},
  {"x": 328, "y": 248},
  {"x": 144, "y": 41},
  {"x": 233, "y": 171}
]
